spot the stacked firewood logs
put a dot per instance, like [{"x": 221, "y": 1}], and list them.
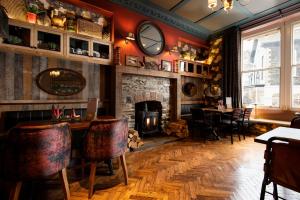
[
  {"x": 134, "y": 141},
  {"x": 178, "y": 128}
]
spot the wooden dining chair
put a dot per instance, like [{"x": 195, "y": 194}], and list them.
[
  {"x": 295, "y": 123},
  {"x": 281, "y": 165},
  {"x": 233, "y": 123},
  {"x": 106, "y": 139},
  {"x": 245, "y": 121},
  {"x": 36, "y": 152}
]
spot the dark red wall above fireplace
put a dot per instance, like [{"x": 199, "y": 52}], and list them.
[{"x": 126, "y": 21}]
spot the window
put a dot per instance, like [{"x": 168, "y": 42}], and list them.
[
  {"x": 261, "y": 69},
  {"x": 296, "y": 65}
]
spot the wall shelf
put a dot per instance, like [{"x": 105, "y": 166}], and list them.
[{"x": 42, "y": 40}]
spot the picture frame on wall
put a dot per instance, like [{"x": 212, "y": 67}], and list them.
[
  {"x": 132, "y": 61},
  {"x": 151, "y": 63},
  {"x": 166, "y": 65}
]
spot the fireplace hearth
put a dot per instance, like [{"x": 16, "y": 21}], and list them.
[{"x": 148, "y": 117}]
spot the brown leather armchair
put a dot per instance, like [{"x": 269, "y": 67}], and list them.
[
  {"x": 106, "y": 139},
  {"x": 281, "y": 165},
  {"x": 36, "y": 152}
]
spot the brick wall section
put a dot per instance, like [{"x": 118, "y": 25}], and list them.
[{"x": 137, "y": 88}]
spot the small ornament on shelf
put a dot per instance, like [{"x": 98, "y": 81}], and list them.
[
  {"x": 74, "y": 116},
  {"x": 57, "y": 113}
]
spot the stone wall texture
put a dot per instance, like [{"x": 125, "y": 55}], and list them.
[{"x": 145, "y": 88}]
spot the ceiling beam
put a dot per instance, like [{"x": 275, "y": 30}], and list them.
[
  {"x": 243, "y": 9},
  {"x": 263, "y": 14},
  {"x": 179, "y": 5},
  {"x": 215, "y": 13}
]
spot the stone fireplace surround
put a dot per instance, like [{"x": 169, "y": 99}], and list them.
[{"x": 134, "y": 85}]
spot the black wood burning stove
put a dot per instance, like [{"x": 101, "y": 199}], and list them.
[{"x": 148, "y": 117}]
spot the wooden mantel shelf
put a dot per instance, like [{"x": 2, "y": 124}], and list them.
[{"x": 146, "y": 72}]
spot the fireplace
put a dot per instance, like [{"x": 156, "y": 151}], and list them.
[{"x": 148, "y": 116}]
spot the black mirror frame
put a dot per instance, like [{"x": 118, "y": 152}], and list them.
[
  {"x": 188, "y": 93},
  {"x": 139, "y": 41}
]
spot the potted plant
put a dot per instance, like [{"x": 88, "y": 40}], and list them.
[{"x": 32, "y": 11}]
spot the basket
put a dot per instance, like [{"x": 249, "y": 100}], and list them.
[{"x": 88, "y": 28}]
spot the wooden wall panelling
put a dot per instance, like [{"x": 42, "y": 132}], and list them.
[
  {"x": 9, "y": 75},
  {"x": 18, "y": 77},
  {"x": 93, "y": 76},
  {"x": 35, "y": 71},
  {"x": 2, "y": 75},
  {"x": 18, "y": 73},
  {"x": 27, "y": 76},
  {"x": 85, "y": 73},
  {"x": 43, "y": 66},
  {"x": 52, "y": 63}
]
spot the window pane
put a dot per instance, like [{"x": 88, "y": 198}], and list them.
[
  {"x": 262, "y": 51},
  {"x": 296, "y": 67},
  {"x": 261, "y": 69},
  {"x": 296, "y": 87},
  {"x": 261, "y": 87},
  {"x": 296, "y": 44}
]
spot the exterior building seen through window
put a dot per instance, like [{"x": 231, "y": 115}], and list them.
[{"x": 261, "y": 69}]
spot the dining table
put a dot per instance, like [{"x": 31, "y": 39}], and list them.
[
  {"x": 216, "y": 118},
  {"x": 222, "y": 111},
  {"x": 285, "y": 132}
]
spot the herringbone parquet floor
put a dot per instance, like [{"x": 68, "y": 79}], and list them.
[
  {"x": 189, "y": 170},
  {"x": 185, "y": 170}
]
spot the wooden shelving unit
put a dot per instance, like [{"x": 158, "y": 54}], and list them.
[
  {"x": 32, "y": 43},
  {"x": 192, "y": 69}
]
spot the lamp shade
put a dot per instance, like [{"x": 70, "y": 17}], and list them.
[
  {"x": 228, "y": 5},
  {"x": 212, "y": 3},
  {"x": 130, "y": 36},
  {"x": 3, "y": 23}
]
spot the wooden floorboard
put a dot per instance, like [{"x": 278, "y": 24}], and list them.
[{"x": 183, "y": 170}]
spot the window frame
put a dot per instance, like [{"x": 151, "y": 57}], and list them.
[
  {"x": 291, "y": 26},
  {"x": 285, "y": 25},
  {"x": 258, "y": 32}
]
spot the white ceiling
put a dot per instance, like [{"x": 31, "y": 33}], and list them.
[{"x": 197, "y": 11}]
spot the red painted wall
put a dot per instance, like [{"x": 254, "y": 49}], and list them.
[{"x": 126, "y": 21}]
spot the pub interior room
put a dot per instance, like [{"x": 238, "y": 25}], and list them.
[{"x": 149, "y": 99}]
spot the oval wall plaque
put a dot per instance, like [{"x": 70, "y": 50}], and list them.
[{"x": 61, "y": 82}]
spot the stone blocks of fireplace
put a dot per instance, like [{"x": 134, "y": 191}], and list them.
[
  {"x": 137, "y": 89},
  {"x": 135, "y": 85}
]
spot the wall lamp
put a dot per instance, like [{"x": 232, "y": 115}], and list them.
[{"x": 130, "y": 36}]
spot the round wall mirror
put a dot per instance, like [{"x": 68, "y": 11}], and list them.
[
  {"x": 189, "y": 89},
  {"x": 150, "y": 38}
]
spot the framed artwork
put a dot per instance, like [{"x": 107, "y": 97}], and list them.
[
  {"x": 166, "y": 65},
  {"x": 132, "y": 61},
  {"x": 151, "y": 63}
]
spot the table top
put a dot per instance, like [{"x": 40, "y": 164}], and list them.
[
  {"x": 228, "y": 110},
  {"x": 291, "y": 133},
  {"x": 74, "y": 125}
]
